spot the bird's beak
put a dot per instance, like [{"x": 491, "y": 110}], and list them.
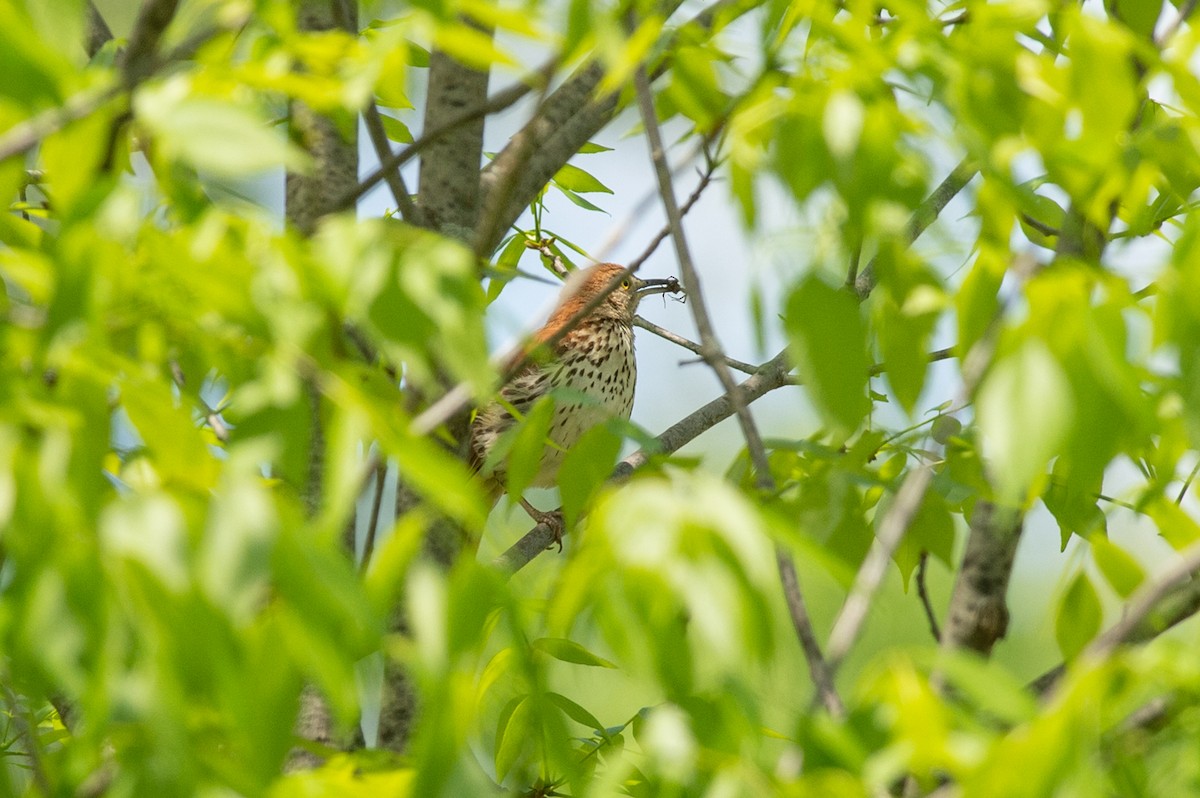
[{"x": 669, "y": 285}]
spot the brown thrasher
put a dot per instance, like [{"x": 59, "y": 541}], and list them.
[{"x": 591, "y": 363}]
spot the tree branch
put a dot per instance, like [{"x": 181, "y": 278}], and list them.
[
  {"x": 712, "y": 352},
  {"x": 571, "y": 116},
  {"x": 448, "y": 185},
  {"x": 892, "y": 529},
  {"x": 978, "y": 612},
  {"x": 494, "y": 104},
  {"x": 137, "y": 61},
  {"x": 691, "y": 346},
  {"x": 925, "y": 214}
]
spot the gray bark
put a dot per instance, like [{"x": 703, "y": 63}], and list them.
[{"x": 448, "y": 185}]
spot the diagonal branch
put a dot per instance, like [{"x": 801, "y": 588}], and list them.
[
  {"x": 346, "y": 18},
  {"x": 925, "y": 214},
  {"x": 494, "y": 104},
  {"x": 714, "y": 355},
  {"x": 152, "y": 20},
  {"x": 571, "y": 116},
  {"x": 892, "y": 528}
]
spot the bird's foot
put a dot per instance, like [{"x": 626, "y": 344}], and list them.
[{"x": 552, "y": 519}]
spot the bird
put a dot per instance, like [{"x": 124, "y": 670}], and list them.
[{"x": 590, "y": 364}]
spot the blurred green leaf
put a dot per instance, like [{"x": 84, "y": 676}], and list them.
[
  {"x": 198, "y": 131},
  {"x": 1078, "y": 618},
  {"x": 570, "y": 651},
  {"x": 1025, "y": 414},
  {"x": 528, "y": 447},
  {"x": 574, "y": 711},
  {"x": 512, "y": 734},
  {"x": 585, "y": 468},
  {"x": 1119, "y": 567},
  {"x": 828, "y": 343}
]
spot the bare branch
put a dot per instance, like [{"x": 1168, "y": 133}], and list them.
[
  {"x": 978, "y": 613},
  {"x": 691, "y": 346},
  {"x": 494, "y": 104},
  {"x": 395, "y": 181},
  {"x": 822, "y": 675},
  {"x": 152, "y": 20},
  {"x": 870, "y": 574},
  {"x": 705, "y": 179},
  {"x": 925, "y": 214},
  {"x": 923, "y": 593},
  {"x": 1143, "y": 602},
  {"x": 1168, "y": 32},
  {"x": 714, "y": 355},
  {"x": 24, "y": 136},
  {"x": 571, "y": 116}
]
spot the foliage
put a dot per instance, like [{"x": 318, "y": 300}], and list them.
[{"x": 180, "y": 376}]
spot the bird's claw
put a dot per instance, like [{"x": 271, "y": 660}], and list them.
[{"x": 553, "y": 521}]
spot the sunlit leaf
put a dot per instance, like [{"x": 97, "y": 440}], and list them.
[
  {"x": 828, "y": 342},
  {"x": 570, "y": 651},
  {"x": 1079, "y": 616}
]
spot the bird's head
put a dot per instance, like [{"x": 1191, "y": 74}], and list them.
[{"x": 624, "y": 291}]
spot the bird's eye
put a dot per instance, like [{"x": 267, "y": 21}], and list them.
[{"x": 625, "y": 284}]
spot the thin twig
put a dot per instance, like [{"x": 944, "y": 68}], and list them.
[
  {"x": 691, "y": 346},
  {"x": 925, "y": 214},
  {"x": 376, "y": 503},
  {"x": 345, "y": 18},
  {"x": 870, "y": 574},
  {"x": 27, "y": 134},
  {"x": 1143, "y": 602},
  {"x": 1187, "y": 483},
  {"x": 705, "y": 179},
  {"x": 1185, "y": 12},
  {"x": 711, "y": 351},
  {"x": 923, "y": 593}
]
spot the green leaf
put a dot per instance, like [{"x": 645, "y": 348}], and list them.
[
  {"x": 904, "y": 335},
  {"x": 694, "y": 88},
  {"x": 512, "y": 731},
  {"x": 580, "y": 201},
  {"x": 396, "y": 130},
  {"x": 1119, "y": 567},
  {"x": 529, "y": 445},
  {"x": 978, "y": 300},
  {"x": 575, "y": 179},
  {"x": 932, "y": 530},
  {"x": 1024, "y": 410},
  {"x": 592, "y": 147},
  {"x": 569, "y": 651},
  {"x": 585, "y": 468},
  {"x": 828, "y": 343},
  {"x": 574, "y": 711},
  {"x": 224, "y": 139},
  {"x": 1176, "y": 527},
  {"x": 1079, "y": 616}
]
